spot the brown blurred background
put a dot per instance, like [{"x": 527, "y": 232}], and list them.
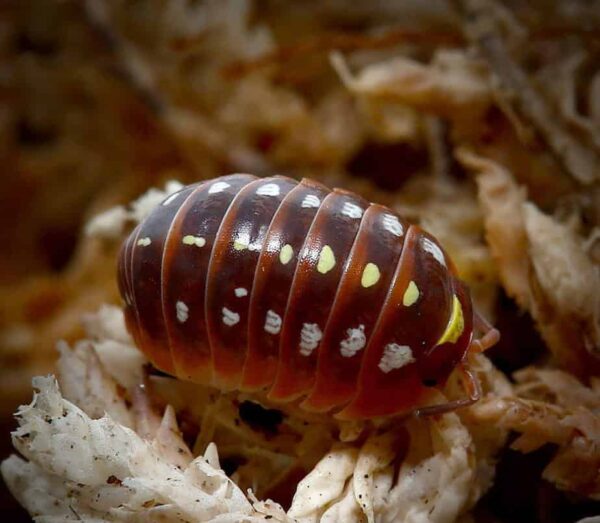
[{"x": 100, "y": 100}]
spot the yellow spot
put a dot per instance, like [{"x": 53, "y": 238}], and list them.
[
  {"x": 193, "y": 240},
  {"x": 411, "y": 294},
  {"x": 370, "y": 275},
  {"x": 286, "y": 253},
  {"x": 143, "y": 242},
  {"x": 456, "y": 325},
  {"x": 326, "y": 260},
  {"x": 239, "y": 246}
]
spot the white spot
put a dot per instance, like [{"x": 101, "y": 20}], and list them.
[
  {"x": 310, "y": 201},
  {"x": 272, "y": 322},
  {"x": 269, "y": 189},
  {"x": 230, "y": 318},
  {"x": 218, "y": 187},
  {"x": 182, "y": 311},
  {"x": 355, "y": 341},
  {"x": 395, "y": 356},
  {"x": 309, "y": 338},
  {"x": 351, "y": 210},
  {"x": 171, "y": 198},
  {"x": 392, "y": 224},
  {"x": 240, "y": 292},
  {"x": 434, "y": 250},
  {"x": 190, "y": 239},
  {"x": 144, "y": 242},
  {"x": 257, "y": 244}
]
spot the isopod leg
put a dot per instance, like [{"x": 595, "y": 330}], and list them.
[
  {"x": 491, "y": 335},
  {"x": 472, "y": 388}
]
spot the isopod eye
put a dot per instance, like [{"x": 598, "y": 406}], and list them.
[{"x": 435, "y": 368}]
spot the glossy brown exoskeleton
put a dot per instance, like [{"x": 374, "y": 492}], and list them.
[{"x": 300, "y": 292}]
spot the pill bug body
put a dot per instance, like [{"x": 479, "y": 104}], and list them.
[{"x": 300, "y": 293}]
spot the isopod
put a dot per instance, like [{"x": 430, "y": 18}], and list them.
[{"x": 299, "y": 293}]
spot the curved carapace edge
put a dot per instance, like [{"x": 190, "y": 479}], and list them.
[{"x": 298, "y": 293}]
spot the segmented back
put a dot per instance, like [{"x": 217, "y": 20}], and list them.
[{"x": 295, "y": 291}]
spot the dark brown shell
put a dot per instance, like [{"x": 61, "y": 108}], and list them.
[{"x": 303, "y": 293}]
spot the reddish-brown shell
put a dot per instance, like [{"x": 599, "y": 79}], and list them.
[{"x": 297, "y": 291}]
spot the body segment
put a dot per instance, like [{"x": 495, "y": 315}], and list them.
[
  {"x": 321, "y": 263},
  {"x": 273, "y": 279},
  {"x": 185, "y": 269}
]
